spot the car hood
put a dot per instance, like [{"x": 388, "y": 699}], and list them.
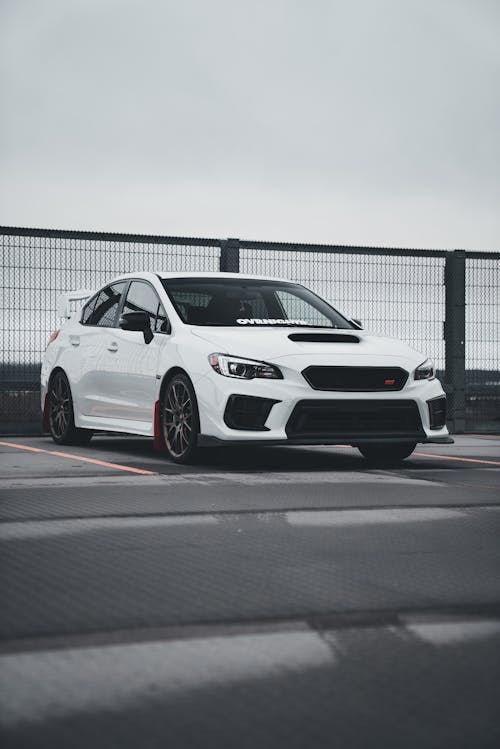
[{"x": 274, "y": 344}]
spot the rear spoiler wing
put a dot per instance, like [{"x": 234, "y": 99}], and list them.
[{"x": 64, "y": 302}]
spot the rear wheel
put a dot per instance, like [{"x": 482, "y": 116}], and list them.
[
  {"x": 61, "y": 414},
  {"x": 387, "y": 454},
  {"x": 179, "y": 419}
]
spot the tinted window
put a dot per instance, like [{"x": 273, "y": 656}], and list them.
[
  {"x": 106, "y": 306},
  {"x": 297, "y": 307},
  {"x": 249, "y": 303},
  {"x": 87, "y": 311},
  {"x": 141, "y": 297},
  {"x": 191, "y": 304}
]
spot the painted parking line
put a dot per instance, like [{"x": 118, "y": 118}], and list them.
[
  {"x": 484, "y": 436},
  {"x": 142, "y": 471},
  {"x": 454, "y": 457},
  {"x": 71, "y": 456}
]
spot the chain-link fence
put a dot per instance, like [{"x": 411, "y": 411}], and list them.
[
  {"x": 482, "y": 344},
  {"x": 416, "y": 295},
  {"x": 391, "y": 294}
]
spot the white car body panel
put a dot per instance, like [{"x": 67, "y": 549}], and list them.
[
  {"x": 115, "y": 377},
  {"x": 129, "y": 375},
  {"x": 273, "y": 343}
]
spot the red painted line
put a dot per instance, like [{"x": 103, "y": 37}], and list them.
[
  {"x": 96, "y": 462},
  {"x": 463, "y": 460}
]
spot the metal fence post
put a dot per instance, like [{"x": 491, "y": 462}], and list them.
[
  {"x": 454, "y": 337},
  {"x": 229, "y": 256}
]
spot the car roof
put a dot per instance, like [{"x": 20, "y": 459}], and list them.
[{"x": 186, "y": 274}]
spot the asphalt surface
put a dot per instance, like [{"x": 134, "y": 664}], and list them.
[{"x": 291, "y": 597}]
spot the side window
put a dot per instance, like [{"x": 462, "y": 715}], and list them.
[
  {"x": 106, "y": 306},
  {"x": 141, "y": 297}
]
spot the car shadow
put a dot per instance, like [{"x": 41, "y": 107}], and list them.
[
  {"x": 233, "y": 459},
  {"x": 250, "y": 459}
]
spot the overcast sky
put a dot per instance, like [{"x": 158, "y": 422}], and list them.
[{"x": 371, "y": 122}]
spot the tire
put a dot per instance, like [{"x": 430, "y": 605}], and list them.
[
  {"x": 179, "y": 419},
  {"x": 387, "y": 454},
  {"x": 61, "y": 414}
]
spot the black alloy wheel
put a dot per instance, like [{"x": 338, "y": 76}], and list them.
[
  {"x": 179, "y": 419},
  {"x": 387, "y": 454},
  {"x": 61, "y": 415}
]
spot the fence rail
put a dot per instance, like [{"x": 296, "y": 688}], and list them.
[{"x": 444, "y": 303}]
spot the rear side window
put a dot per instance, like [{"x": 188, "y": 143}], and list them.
[
  {"x": 102, "y": 310},
  {"x": 141, "y": 297},
  {"x": 87, "y": 310}
]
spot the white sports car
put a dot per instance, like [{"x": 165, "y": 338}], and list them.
[{"x": 200, "y": 358}]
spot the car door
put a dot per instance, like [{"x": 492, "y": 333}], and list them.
[
  {"x": 132, "y": 373},
  {"x": 92, "y": 340}
]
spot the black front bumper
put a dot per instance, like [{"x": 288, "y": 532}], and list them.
[
  {"x": 329, "y": 422},
  {"x": 205, "y": 440},
  {"x": 356, "y": 420}
]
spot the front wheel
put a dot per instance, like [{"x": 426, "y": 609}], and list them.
[
  {"x": 180, "y": 420},
  {"x": 61, "y": 414},
  {"x": 387, "y": 454}
]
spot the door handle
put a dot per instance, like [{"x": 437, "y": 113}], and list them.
[
  {"x": 74, "y": 340},
  {"x": 113, "y": 346}
]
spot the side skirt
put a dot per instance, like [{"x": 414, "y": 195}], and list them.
[{"x": 124, "y": 426}]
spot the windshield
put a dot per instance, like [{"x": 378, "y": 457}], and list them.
[{"x": 248, "y": 304}]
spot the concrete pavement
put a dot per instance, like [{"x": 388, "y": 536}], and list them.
[{"x": 282, "y": 597}]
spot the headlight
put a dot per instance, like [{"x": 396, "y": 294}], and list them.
[
  {"x": 243, "y": 369},
  {"x": 425, "y": 371}
]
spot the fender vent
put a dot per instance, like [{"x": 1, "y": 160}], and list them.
[{"x": 323, "y": 338}]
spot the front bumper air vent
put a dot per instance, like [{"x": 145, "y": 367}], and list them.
[
  {"x": 437, "y": 412},
  {"x": 351, "y": 420},
  {"x": 248, "y": 412}
]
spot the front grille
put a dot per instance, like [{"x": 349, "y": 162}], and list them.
[
  {"x": 248, "y": 412},
  {"x": 356, "y": 379},
  {"x": 437, "y": 412},
  {"x": 355, "y": 419}
]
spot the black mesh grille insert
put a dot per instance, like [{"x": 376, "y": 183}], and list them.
[
  {"x": 324, "y": 337},
  {"x": 248, "y": 412},
  {"x": 356, "y": 379},
  {"x": 437, "y": 412},
  {"x": 351, "y": 419}
]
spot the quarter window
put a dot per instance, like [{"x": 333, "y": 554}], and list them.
[{"x": 87, "y": 310}]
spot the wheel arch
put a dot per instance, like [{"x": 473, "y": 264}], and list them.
[
  {"x": 168, "y": 376},
  {"x": 56, "y": 369},
  {"x": 45, "y": 413},
  {"x": 158, "y": 441}
]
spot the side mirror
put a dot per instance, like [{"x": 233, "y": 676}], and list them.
[
  {"x": 357, "y": 323},
  {"x": 137, "y": 321}
]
